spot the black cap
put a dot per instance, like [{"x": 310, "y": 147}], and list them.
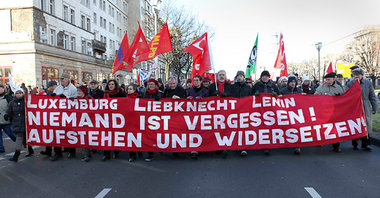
[
  {"x": 330, "y": 75},
  {"x": 339, "y": 76},
  {"x": 240, "y": 73},
  {"x": 354, "y": 67},
  {"x": 265, "y": 73},
  {"x": 93, "y": 81},
  {"x": 104, "y": 81},
  {"x": 52, "y": 83},
  {"x": 292, "y": 78}
]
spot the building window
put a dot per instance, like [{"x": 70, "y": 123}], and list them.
[
  {"x": 72, "y": 44},
  {"x": 101, "y": 21},
  {"x": 4, "y": 74},
  {"x": 84, "y": 46},
  {"x": 86, "y": 77},
  {"x": 43, "y": 35},
  {"x": 94, "y": 2},
  {"x": 65, "y": 13},
  {"x": 89, "y": 49},
  {"x": 110, "y": 27},
  {"x": 72, "y": 16},
  {"x": 100, "y": 4},
  {"x": 72, "y": 73},
  {"x": 104, "y": 5},
  {"x": 109, "y": 10},
  {"x": 100, "y": 76},
  {"x": 53, "y": 37},
  {"x": 105, "y": 24},
  {"x": 125, "y": 21},
  {"x": 95, "y": 18},
  {"x": 125, "y": 6},
  {"x": 88, "y": 25},
  {"x": 43, "y": 5},
  {"x": 49, "y": 74},
  {"x": 88, "y": 3},
  {"x": 113, "y": 12},
  {"x": 52, "y": 7},
  {"x": 82, "y": 21},
  {"x": 65, "y": 41}
]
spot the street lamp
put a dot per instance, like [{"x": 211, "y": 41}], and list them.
[{"x": 319, "y": 46}]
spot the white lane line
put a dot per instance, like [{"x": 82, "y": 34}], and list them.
[
  {"x": 103, "y": 193},
  {"x": 2, "y": 158},
  {"x": 313, "y": 193}
]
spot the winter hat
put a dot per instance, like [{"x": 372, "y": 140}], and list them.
[
  {"x": 19, "y": 89},
  {"x": 93, "y": 81},
  {"x": 52, "y": 83},
  {"x": 104, "y": 81},
  {"x": 240, "y": 73},
  {"x": 358, "y": 71},
  {"x": 354, "y": 67},
  {"x": 282, "y": 78},
  {"x": 330, "y": 75},
  {"x": 339, "y": 76},
  {"x": 83, "y": 88},
  {"x": 265, "y": 73},
  {"x": 159, "y": 80},
  {"x": 206, "y": 79},
  {"x": 305, "y": 78},
  {"x": 292, "y": 78},
  {"x": 153, "y": 80}
]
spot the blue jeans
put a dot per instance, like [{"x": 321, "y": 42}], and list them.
[{"x": 7, "y": 129}]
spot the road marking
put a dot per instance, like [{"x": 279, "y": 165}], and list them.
[
  {"x": 312, "y": 192},
  {"x": 103, "y": 193},
  {"x": 2, "y": 158},
  {"x": 11, "y": 154}
]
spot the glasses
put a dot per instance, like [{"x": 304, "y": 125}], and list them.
[
  {"x": 249, "y": 82},
  {"x": 130, "y": 88}
]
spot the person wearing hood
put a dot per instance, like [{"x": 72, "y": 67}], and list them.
[
  {"x": 306, "y": 85},
  {"x": 5, "y": 125},
  {"x": 16, "y": 113},
  {"x": 240, "y": 90},
  {"x": 369, "y": 104},
  {"x": 330, "y": 87},
  {"x": 291, "y": 88},
  {"x": 265, "y": 85}
]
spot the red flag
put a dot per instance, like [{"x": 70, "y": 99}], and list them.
[
  {"x": 139, "y": 46},
  {"x": 160, "y": 44},
  {"x": 329, "y": 69},
  {"x": 199, "y": 49},
  {"x": 281, "y": 59},
  {"x": 119, "y": 62}
]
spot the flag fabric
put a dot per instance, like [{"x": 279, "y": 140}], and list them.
[
  {"x": 251, "y": 67},
  {"x": 329, "y": 69},
  {"x": 138, "y": 46},
  {"x": 161, "y": 43},
  {"x": 154, "y": 66},
  {"x": 11, "y": 83},
  {"x": 281, "y": 59},
  {"x": 142, "y": 76},
  {"x": 119, "y": 62},
  {"x": 202, "y": 60}
]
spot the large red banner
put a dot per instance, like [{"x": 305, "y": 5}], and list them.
[{"x": 214, "y": 123}]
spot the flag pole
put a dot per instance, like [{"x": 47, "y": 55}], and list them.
[{"x": 212, "y": 62}]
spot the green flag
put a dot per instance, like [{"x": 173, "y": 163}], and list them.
[{"x": 251, "y": 67}]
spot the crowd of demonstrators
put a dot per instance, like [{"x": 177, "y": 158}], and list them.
[{"x": 12, "y": 121}]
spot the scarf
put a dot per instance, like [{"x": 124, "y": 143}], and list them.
[
  {"x": 152, "y": 92},
  {"x": 133, "y": 95},
  {"x": 305, "y": 88},
  {"x": 221, "y": 86},
  {"x": 107, "y": 93}
]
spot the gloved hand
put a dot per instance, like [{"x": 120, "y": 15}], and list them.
[
  {"x": 374, "y": 112},
  {"x": 217, "y": 92},
  {"x": 223, "y": 94},
  {"x": 198, "y": 98},
  {"x": 62, "y": 96},
  {"x": 53, "y": 94},
  {"x": 6, "y": 117},
  {"x": 156, "y": 98},
  {"x": 257, "y": 93},
  {"x": 274, "y": 94}
]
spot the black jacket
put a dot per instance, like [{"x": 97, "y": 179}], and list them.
[
  {"x": 227, "y": 89},
  {"x": 178, "y": 91},
  {"x": 155, "y": 96},
  {"x": 240, "y": 90},
  {"x": 288, "y": 90},
  {"x": 268, "y": 87},
  {"x": 96, "y": 94},
  {"x": 16, "y": 112}
]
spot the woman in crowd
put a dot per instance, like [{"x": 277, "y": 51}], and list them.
[
  {"x": 152, "y": 93},
  {"x": 16, "y": 113},
  {"x": 83, "y": 94},
  {"x": 113, "y": 90}
]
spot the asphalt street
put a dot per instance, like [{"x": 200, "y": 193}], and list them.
[{"x": 317, "y": 172}]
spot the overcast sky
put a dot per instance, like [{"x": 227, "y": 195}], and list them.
[{"x": 302, "y": 22}]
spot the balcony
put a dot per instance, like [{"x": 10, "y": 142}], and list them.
[{"x": 98, "y": 46}]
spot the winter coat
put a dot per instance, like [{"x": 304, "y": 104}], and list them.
[
  {"x": 16, "y": 113},
  {"x": 155, "y": 96},
  {"x": 69, "y": 91},
  {"x": 198, "y": 92},
  {"x": 96, "y": 94},
  {"x": 4, "y": 101},
  {"x": 227, "y": 89},
  {"x": 333, "y": 90},
  {"x": 268, "y": 87},
  {"x": 310, "y": 89},
  {"x": 178, "y": 91},
  {"x": 118, "y": 94},
  {"x": 369, "y": 100},
  {"x": 288, "y": 90},
  {"x": 241, "y": 89}
]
